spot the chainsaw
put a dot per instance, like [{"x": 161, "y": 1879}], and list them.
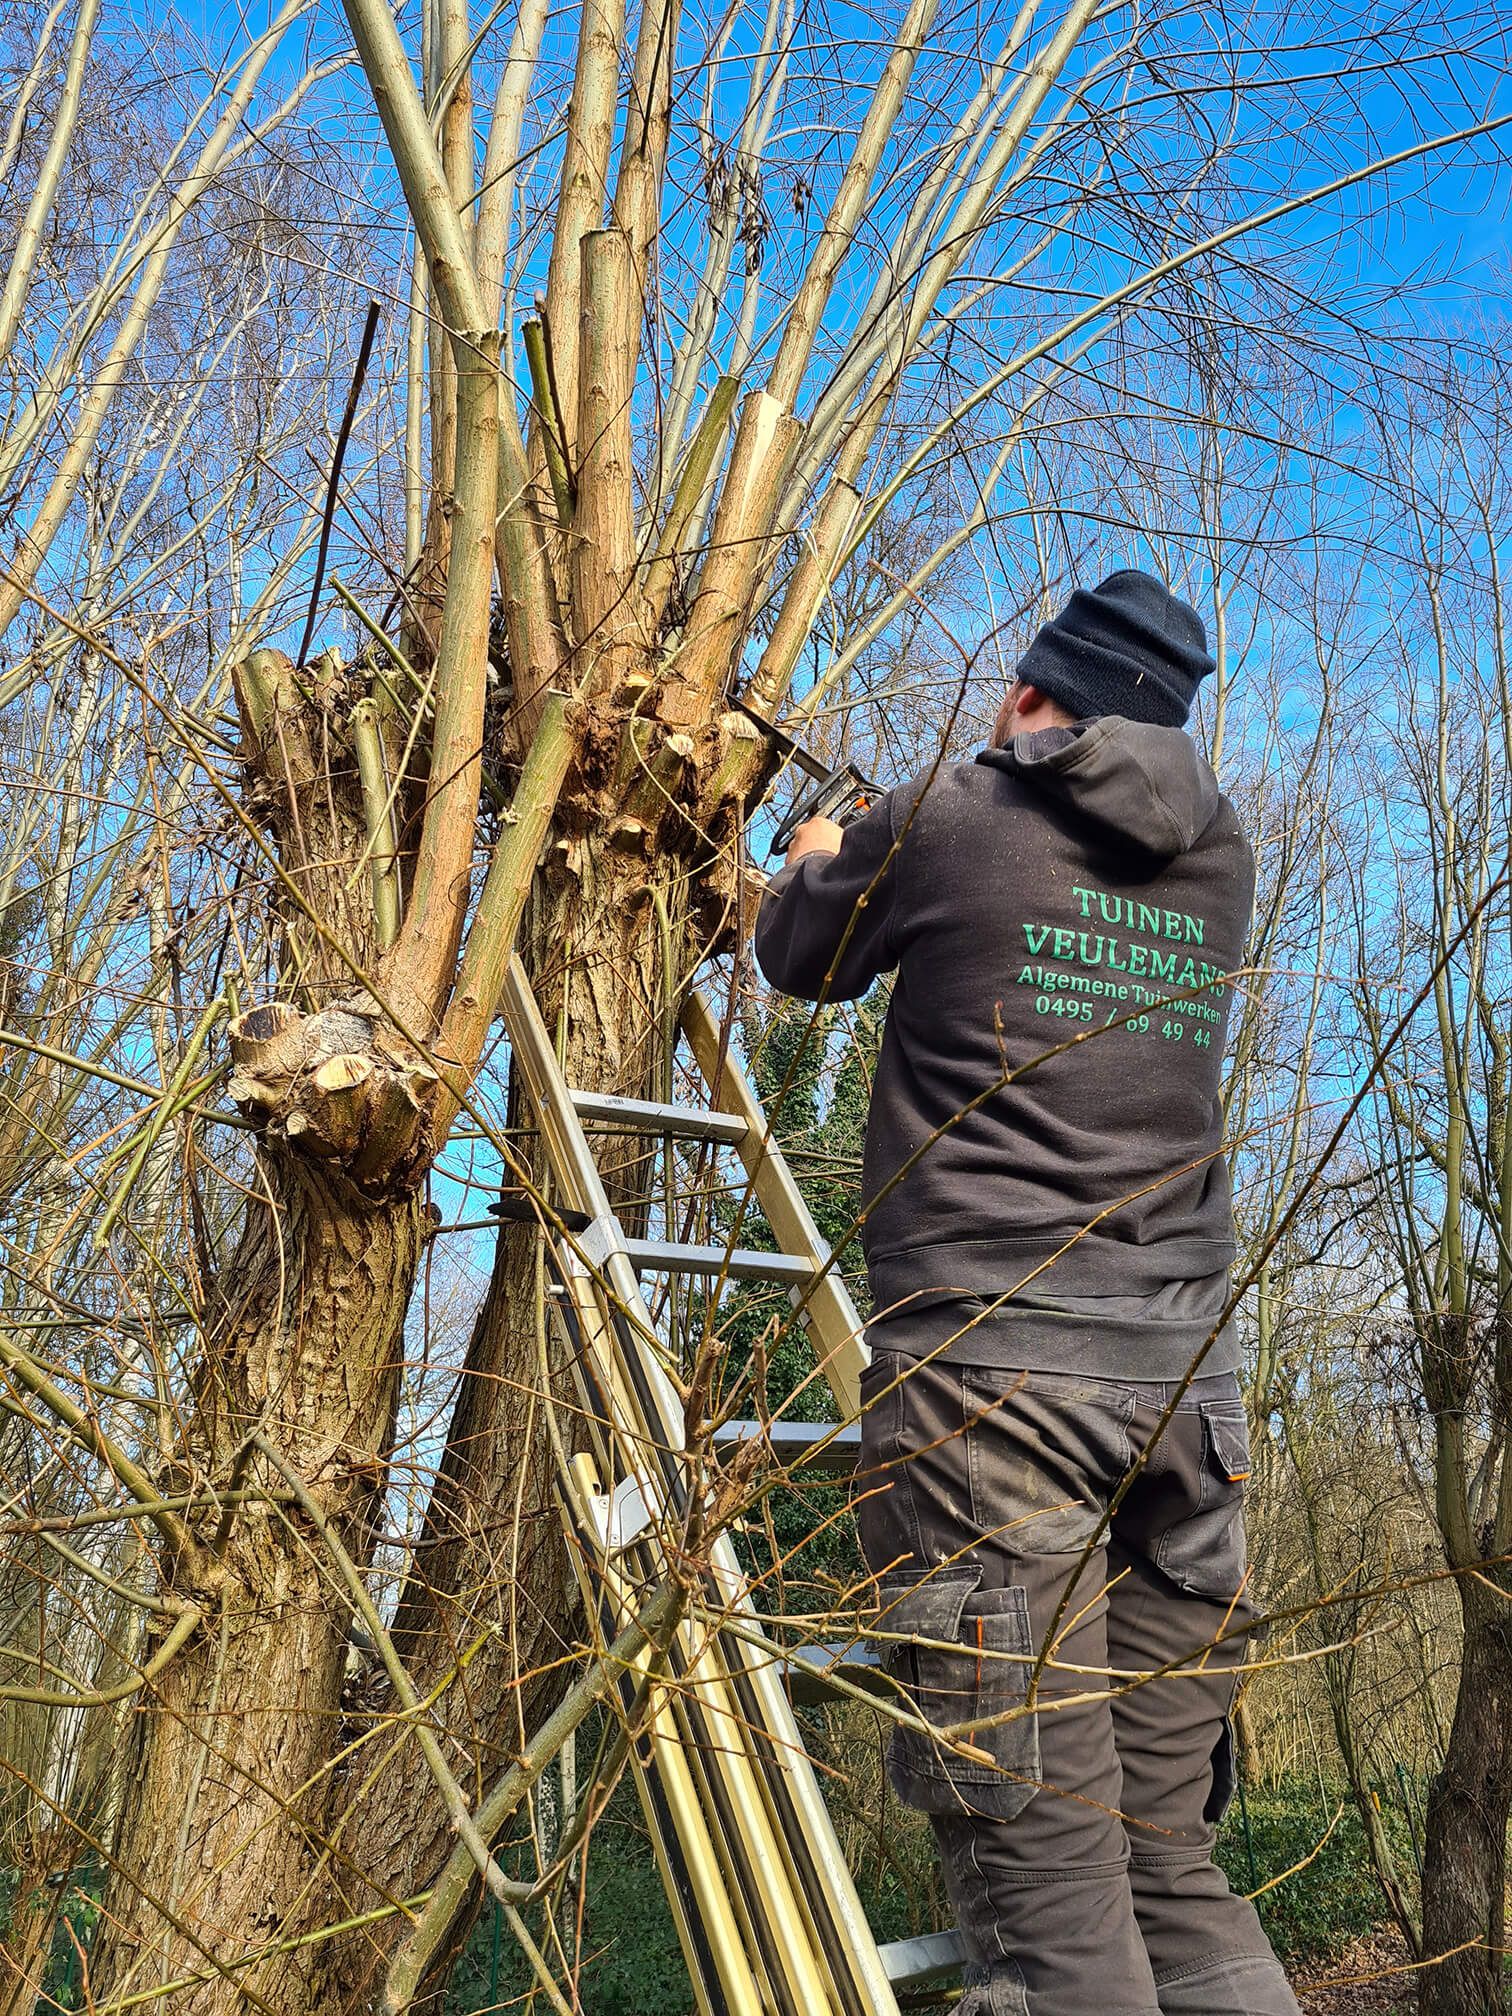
[{"x": 840, "y": 793}]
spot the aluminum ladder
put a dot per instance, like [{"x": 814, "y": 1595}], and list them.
[{"x": 765, "y": 1907}]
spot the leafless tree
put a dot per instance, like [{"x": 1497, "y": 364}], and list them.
[{"x": 1434, "y": 903}]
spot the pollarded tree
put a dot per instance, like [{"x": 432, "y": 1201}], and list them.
[{"x": 630, "y": 582}]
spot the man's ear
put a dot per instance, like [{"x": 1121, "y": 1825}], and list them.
[{"x": 1003, "y": 729}]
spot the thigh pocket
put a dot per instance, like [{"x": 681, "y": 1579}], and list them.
[
  {"x": 960, "y": 1654},
  {"x": 1225, "y": 1769},
  {"x": 1203, "y": 1552}
]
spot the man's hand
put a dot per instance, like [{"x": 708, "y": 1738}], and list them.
[{"x": 815, "y": 836}]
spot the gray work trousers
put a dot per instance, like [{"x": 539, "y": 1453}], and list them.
[{"x": 1093, "y": 1672}]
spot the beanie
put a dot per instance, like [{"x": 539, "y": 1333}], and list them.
[{"x": 1128, "y": 647}]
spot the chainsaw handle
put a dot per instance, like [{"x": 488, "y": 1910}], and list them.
[{"x": 842, "y": 795}]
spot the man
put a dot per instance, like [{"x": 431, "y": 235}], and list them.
[{"x": 1054, "y": 1442}]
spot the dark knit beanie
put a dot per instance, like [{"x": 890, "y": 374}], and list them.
[{"x": 1125, "y": 647}]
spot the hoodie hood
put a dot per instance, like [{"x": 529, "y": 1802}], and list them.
[{"x": 1148, "y": 785}]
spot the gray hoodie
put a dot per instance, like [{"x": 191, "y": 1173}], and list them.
[{"x": 1065, "y": 916}]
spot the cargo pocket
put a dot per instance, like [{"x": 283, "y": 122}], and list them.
[
  {"x": 960, "y": 1654},
  {"x": 1227, "y": 1432},
  {"x": 1204, "y": 1553},
  {"x": 1225, "y": 1775}
]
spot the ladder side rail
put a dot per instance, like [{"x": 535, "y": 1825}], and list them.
[
  {"x": 782, "y": 1762},
  {"x": 734, "y": 1773},
  {"x": 794, "y": 1786},
  {"x": 627, "y": 1431},
  {"x": 837, "y": 1920},
  {"x": 634, "y": 1406},
  {"x": 602, "y": 1248},
  {"x": 712, "y": 1921},
  {"x": 826, "y": 1305},
  {"x": 702, "y": 1915},
  {"x": 566, "y": 1145},
  {"x": 616, "y": 1342},
  {"x": 754, "y": 1664},
  {"x": 729, "y": 1839}
]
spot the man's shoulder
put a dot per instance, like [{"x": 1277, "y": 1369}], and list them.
[{"x": 948, "y": 788}]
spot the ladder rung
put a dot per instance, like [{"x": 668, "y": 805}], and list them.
[
  {"x": 791, "y": 1441},
  {"x": 649, "y": 1116},
  {"x": 664, "y": 1256},
  {"x": 810, "y": 1669},
  {"x": 667, "y": 1256},
  {"x": 912, "y": 1962}
]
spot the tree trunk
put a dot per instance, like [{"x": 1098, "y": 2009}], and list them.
[
  {"x": 225, "y": 1832},
  {"x": 1247, "y": 1743},
  {"x": 492, "y": 1553},
  {"x": 1465, "y": 1859}
]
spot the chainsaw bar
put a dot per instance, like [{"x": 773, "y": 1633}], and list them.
[{"x": 840, "y": 793}]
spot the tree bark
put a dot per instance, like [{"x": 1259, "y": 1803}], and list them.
[
  {"x": 1465, "y": 1858},
  {"x": 225, "y": 1835},
  {"x": 492, "y": 1552}
]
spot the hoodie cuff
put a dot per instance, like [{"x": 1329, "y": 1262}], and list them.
[{"x": 783, "y": 880}]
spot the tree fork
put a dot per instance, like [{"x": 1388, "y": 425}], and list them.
[{"x": 496, "y": 1473}]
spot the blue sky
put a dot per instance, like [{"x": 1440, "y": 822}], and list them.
[{"x": 1449, "y": 212}]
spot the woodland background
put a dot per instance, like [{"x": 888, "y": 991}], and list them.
[{"x": 793, "y": 350}]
